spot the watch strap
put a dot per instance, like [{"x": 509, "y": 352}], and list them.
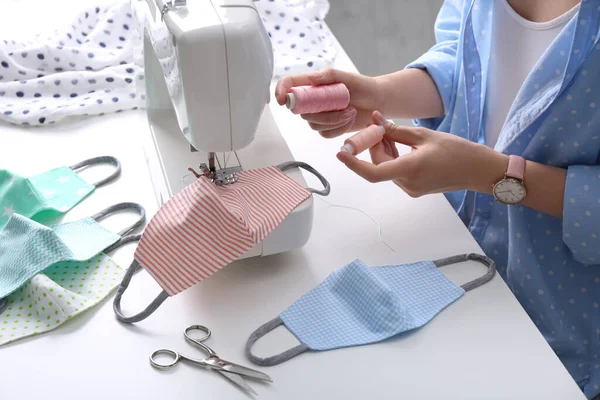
[{"x": 516, "y": 167}]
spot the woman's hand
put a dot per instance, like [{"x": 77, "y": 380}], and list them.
[
  {"x": 438, "y": 162},
  {"x": 365, "y": 97}
]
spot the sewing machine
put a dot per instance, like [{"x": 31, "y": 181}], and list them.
[{"x": 208, "y": 69}]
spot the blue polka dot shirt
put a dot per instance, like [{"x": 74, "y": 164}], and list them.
[{"x": 551, "y": 265}]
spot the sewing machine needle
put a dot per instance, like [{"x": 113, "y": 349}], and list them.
[{"x": 238, "y": 380}]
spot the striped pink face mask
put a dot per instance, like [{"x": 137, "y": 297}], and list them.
[{"x": 205, "y": 227}]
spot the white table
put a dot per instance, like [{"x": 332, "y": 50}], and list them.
[{"x": 482, "y": 347}]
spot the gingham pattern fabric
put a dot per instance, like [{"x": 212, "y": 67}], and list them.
[
  {"x": 205, "y": 227},
  {"x": 27, "y": 247},
  {"x": 359, "y": 305}
]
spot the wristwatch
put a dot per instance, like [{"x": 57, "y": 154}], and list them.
[{"x": 511, "y": 189}]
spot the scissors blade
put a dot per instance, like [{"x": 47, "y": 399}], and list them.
[
  {"x": 238, "y": 380},
  {"x": 238, "y": 369}
]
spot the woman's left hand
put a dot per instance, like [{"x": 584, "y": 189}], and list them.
[{"x": 438, "y": 163}]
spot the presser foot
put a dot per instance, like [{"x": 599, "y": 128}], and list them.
[
  {"x": 223, "y": 175},
  {"x": 220, "y": 177}
]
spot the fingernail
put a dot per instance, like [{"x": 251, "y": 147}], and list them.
[
  {"x": 347, "y": 148},
  {"x": 382, "y": 128}
]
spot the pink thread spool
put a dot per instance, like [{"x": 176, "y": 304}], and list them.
[
  {"x": 316, "y": 99},
  {"x": 363, "y": 140}
]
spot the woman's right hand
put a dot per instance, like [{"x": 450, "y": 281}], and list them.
[{"x": 365, "y": 97}]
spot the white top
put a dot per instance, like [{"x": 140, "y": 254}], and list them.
[
  {"x": 517, "y": 45},
  {"x": 484, "y": 346}
]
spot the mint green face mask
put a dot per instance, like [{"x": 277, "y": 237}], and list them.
[
  {"x": 28, "y": 247},
  {"x": 60, "y": 293},
  {"x": 48, "y": 195}
]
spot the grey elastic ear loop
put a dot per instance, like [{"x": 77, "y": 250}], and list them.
[
  {"x": 120, "y": 207},
  {"x": 293, "y": 352},
  {"x": 100, "y": 160},
  {"x": 488, "y": 262},
  {"x": 123, "y": 241},
  {"x": 276, "y": 359},
  {"x": 298, "y": 164},
  {"x": 133, "y": 268}
]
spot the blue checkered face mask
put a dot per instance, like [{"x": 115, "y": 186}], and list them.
[{"x": 358, "y": 305}]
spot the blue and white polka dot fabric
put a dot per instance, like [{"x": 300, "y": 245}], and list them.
[
  {"x": 301, "y": 43},
  {"x": 86, "y": 68},
  {"x": 94, "y": 65},
  {"x": 552, "y": 266}
]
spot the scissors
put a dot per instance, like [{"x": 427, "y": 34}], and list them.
[{"x": 231, "y": 371}]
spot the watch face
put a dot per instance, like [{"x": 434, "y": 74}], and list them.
[{"x": 509, "y": 191}]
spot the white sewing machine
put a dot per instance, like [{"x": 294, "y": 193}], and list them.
[{"x": 208, "y": 70}]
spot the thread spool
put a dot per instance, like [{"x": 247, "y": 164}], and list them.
[
  {"x": 364, "y": 140},
  {"x": 317, "y": 99}
]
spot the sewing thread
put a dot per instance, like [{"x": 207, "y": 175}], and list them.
[
  {"x": 188, "y": 178},
  {"x": 379, "y": 230},
  {"x": 316, "y": 99}
]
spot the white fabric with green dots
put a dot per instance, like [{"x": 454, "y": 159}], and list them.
[{"x": 58, "y": 294}]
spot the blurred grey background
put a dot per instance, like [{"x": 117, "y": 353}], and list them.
[{"x": 382, "y": 36}]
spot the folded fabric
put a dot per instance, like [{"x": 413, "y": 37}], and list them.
[
  {"x": 95, "y": 65},
  {"x": 86, "y": 68},
  {"x": 300, "y": 41}
]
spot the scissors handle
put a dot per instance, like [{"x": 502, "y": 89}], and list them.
[
  {"x": 198, "y": 341},
  {"x": 176, "y": 358},
  {"x": 168, "y": 365}
]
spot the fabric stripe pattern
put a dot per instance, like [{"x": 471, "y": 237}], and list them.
[{"x": 205, "y": 227}]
